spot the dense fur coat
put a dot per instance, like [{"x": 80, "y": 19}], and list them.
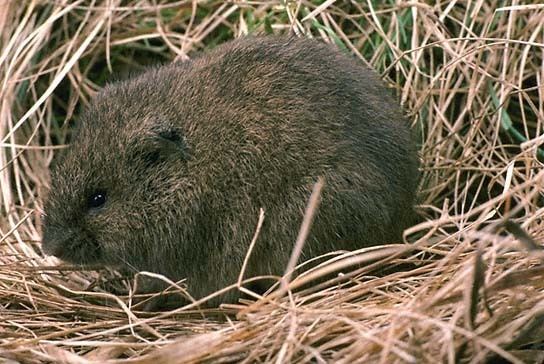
[{"x": 168, "y": 170}]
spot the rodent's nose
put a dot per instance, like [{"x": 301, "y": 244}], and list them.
[{"x": 51, "y": 244}]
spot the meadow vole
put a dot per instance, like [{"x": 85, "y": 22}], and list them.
[{"x": 168, "y": 170}]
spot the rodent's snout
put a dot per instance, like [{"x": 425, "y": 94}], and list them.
[
  {"x": 51, "y": 244},
  {"x": 70, "y": 245}
]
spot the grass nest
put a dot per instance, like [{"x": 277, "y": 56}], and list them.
[{"x": 465, "y": 285}]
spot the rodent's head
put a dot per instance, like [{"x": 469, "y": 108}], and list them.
[{"x": 117, "y": 179}]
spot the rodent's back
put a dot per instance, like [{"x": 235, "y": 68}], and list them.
[
  {"x": 285, "y": 112},
  {"x": 295, "y": 108},
  {"x": 253, "y": 123}
]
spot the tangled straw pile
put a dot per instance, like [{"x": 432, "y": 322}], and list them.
[{"x": 469, "y": 287}]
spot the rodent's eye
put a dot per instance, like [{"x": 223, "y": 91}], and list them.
[{"x": 97, "y": 199}]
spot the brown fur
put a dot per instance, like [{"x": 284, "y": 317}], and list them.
[{"x": 187, "y": 153}]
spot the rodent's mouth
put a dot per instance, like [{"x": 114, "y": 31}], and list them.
[{"x": 71, "y": 248}]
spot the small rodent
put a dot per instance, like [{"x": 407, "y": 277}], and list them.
[{"x": 168, "y": 170}]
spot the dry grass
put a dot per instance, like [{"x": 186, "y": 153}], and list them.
[{"x": 472, "y": 288}]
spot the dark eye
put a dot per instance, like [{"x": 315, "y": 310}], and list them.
[{"x": 97, "y": 199}]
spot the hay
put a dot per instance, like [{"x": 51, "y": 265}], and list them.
[{"x": 471, "y": 287}]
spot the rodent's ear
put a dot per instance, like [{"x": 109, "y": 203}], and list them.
[{"x": 160, "y": 145}]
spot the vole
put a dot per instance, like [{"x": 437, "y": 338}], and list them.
[{"x": 168, "y": 170}]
